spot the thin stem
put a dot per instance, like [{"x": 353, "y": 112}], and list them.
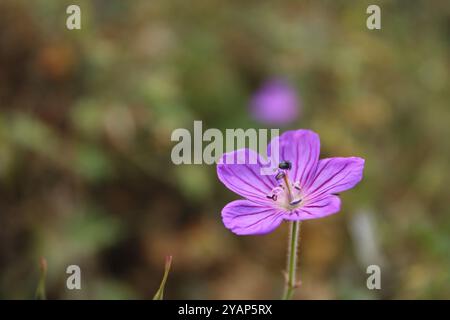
[
  {"x": 160, "y": 293},
  {"x": 291, "y": 283},
  {"x": 40, "y": 291}
]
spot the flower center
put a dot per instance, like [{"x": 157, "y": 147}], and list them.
[{"x": 287, "y": 194}]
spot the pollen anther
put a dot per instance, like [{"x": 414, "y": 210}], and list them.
[{"x": 280, "y": 175}]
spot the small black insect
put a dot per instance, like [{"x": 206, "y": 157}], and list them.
[{"x": 285, "y": 165}]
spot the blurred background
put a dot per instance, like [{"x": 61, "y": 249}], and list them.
[{"x": 86, "y": 118}]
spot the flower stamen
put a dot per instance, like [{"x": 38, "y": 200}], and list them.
[
  {"x": 287, "y": 193},
  {"x": 288, "y": 187}
]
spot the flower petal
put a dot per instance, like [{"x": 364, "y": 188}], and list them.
[
  {"x": 276, "y": 103},
  {"x": 240, "y": 172},
  {"x": 335, "y": 175},
  {"x": 319, "y": 208},
  {"x": 302, "y": 149},
  {"x": 245, "y": 217}
]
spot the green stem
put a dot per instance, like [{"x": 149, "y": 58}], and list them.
[
  {"x": 291, "y": 283},
  {"x": 160, "y": 293},
  {"x": 40, "y": 291}
]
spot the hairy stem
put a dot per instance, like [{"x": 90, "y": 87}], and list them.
[{"x": 291, "y": 284}]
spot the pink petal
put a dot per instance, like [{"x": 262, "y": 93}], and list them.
[
  {"x": 335, "y": 175},
  {"x": 319, "y": 208},
  {"x": 302, "y": 149},
  {"x": 244, "y": 217},
  {"x": 245, "y": 178}
]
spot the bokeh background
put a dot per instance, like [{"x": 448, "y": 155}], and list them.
[{"x": 86, "y": 118}]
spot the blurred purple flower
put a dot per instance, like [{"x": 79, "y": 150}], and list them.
[
  {"x": 303, "y": 188},
  {"x": 275, "y": 103}
]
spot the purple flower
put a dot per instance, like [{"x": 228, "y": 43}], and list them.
[
  {"x": 275, "y": 103},
  {"x": 303, "y": 188}
]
